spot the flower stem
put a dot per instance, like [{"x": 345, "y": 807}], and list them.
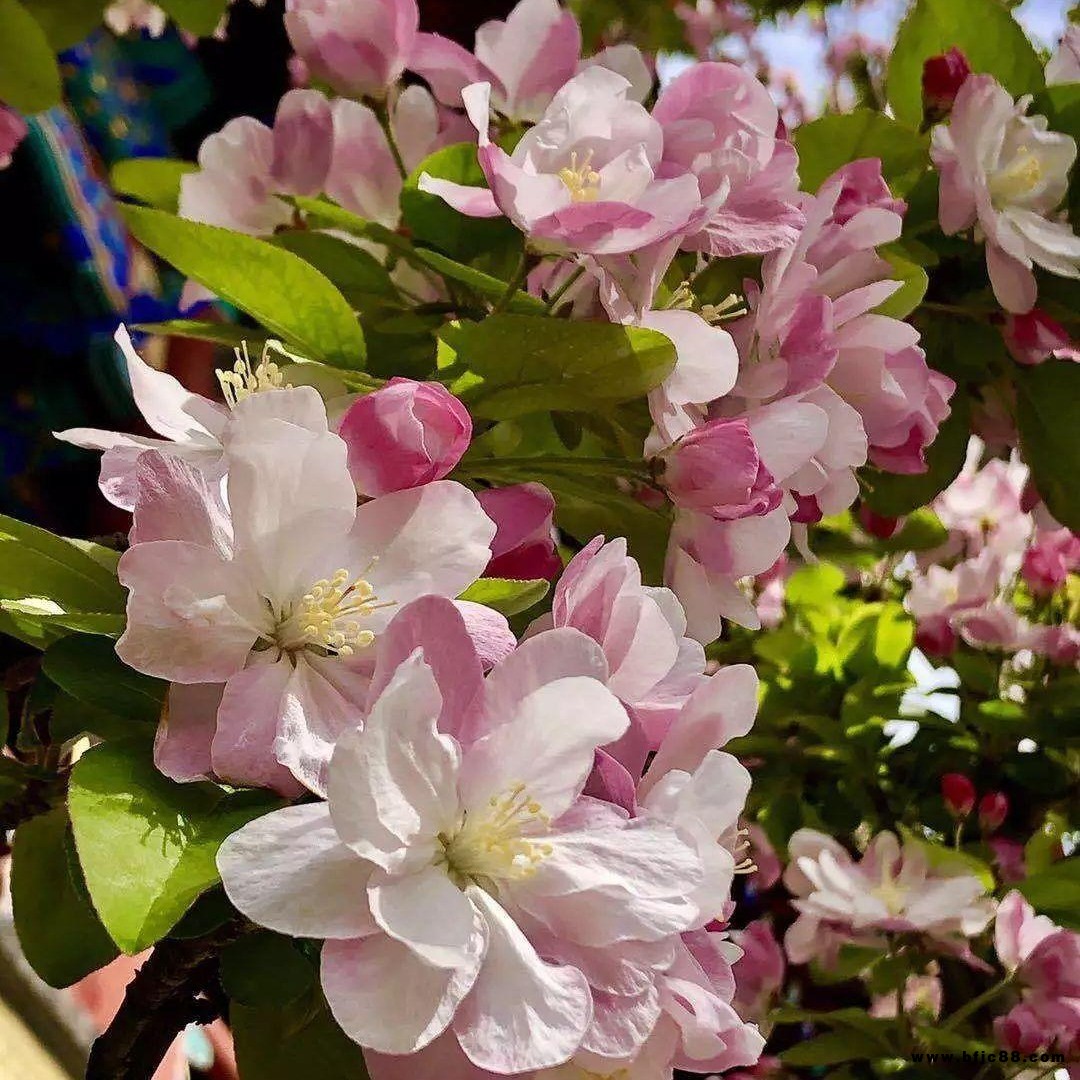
[
  {"x": 383, "y": 113},
  {"x": 564, "y": 288},
  {"x": 521, "y": 273},
  {"x": 975, "y": 1004}
]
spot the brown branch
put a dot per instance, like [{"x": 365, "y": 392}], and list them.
[{"x": 176, "y": 986}]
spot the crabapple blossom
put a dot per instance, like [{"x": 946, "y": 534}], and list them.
[
  {"x": 194, "y": 429},
  {"x": 523, "y": 548},
  {"x": 404, "y": 435},
  {"x": 280, "y": 596},
  {"x": 1064, "y": 65},
  {"x": 921, "y": 993},
  {"x": 357, "y": 47},
  {"x": 585, "y": 179},
  {"x": 759, "y": 972},
  {"x": 1006, "y": 173},
  {"x": 468, "y": 848},
  {"x": 1034, "y": 337},
  {"x": 890, "y": 889},
  {"x": 1050, "y": 559},
  {"x": 719, "y": 125}
]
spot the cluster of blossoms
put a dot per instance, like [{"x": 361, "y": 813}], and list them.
[
  {"x": 499, "y": 883},
  {"x": 1005, "y": 579}
]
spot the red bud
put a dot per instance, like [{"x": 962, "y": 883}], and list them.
[
  {"x": 878, "y": 524},
  {"x": 959, "y": 794},
  {"x": 993, "y": 809},
  {"x": 942, "y": 77}
]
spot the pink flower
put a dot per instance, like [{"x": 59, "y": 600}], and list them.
[
  {"x": 467, "y": 887},
  {"x": 194, "y": 429},
  {"x": 1018, "y": 930},
  {"x": 1049, "y": 561},
  {"x": 941, "y": 594},
  {"x": 1064, "y": 65},
  {"x": 922, "y": 994},
  {"x": 523, "y": 548},
  {"x": 1006, "y": 173},
  {"x": 1035, "y": 337},
  {"x": 246, "y": 164},
  {"x": 890, "y": 889},
  {"x": 716, "y": 468},
  {"x": 357, "y": 47},
  {"x": 584, "y": 179},
  {"x": 1059, "y": 643},
  {"x": 12, "y": 132},
  {"x": 982, "y": 509},
  {"x": 1040, "y": 1025},
  {"x": 653, "y": 666},
  {"x": 720, "y": 126},
  {"x": 993, "y": 809},
  {"x": 759, "y": 972},
  {"x": 942, "y": 78},
  {"x": 280, "y": 597},
  {"x": 404, "y": 435}
]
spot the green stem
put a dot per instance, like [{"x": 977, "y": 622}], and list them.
[
  {"x": 521, "y": 273},
  {"x": 975, "y": 1004},
  {"x": 383, "y": 113},
  {"x": 613, "y": 466},
  {"x": 564, "y": 288}
]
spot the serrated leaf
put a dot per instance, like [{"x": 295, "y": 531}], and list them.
[
  {"x": 58, "y": 929},
  {"x": 275, "y": 287},
  {"x": 506, "y": 595},
  {"x": 147, "y": 845},
  {"x": 519, "y": 364},
  {"x": 833, "y": 140}
]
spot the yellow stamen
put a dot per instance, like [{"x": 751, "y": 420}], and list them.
[
  {"x": 487, "y": 845},
  {"x": 582, "y": 181},
  {"x": 244, "y": 380},
  {"x": 329, "y": 613},
  {"x": 1019, "y": 178}
]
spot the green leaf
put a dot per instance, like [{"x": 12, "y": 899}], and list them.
[
  {"x": 47, "y": 581},
  {"x": 275, "y": 287},
  {"x": 199, "y": 17},
  {"x": 520, "y": 364},
  {"x": 29, "y": 77},
  {"x": 506, "y": 595},
  {"x": 147, "y": 845},
  {"x": 1046, "y": 404},
  {"x": 814, "y": 586},
  {"x": 1056, "y": 891},
  {"x": 89, "y": 670},
  {"x": 433, "y": 222},
  {"x": 922, "y": 531},
  {"x": 896, "y": 495},
  {"x": 832, "y": 1048},
  {"x": 49, "y": 613},
  {"x": 153, "y": 181},
  {"x": 67, "y": 22},
  {"x": 266, "y": 970},
  {"x": 836, "y": 139},
  {"x": 360, "y": 277},
  {"x": 915, "y": 283},
  {"x": 490, "y": 288},
  {"x": 984, "y": 30},
  {"x": 59, "y": 931},
  {"x": 282, "y": 1044},
  {"x": 228, "y": 334}
]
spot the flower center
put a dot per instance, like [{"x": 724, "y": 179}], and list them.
[
  {"x": 244, "y": 380},
  {"x": 892, "y": 895},
  {"x": 329, "y": 616},
  {"x": 488, "y": 846},
  {"x": 1019, "y": 178},
  {"x": 581, "y": 180}
]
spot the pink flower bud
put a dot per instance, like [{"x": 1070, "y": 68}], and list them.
[
  {"x": 404, "y": 435},
  {"x": 357, "y": 47},
  {"x": 993, "y": 808},
  {"x": 879, "y": 525},
  {"x": 959, "y": 794},
  {"x": 935, "y": 637},
  {"x": 523, "y": 548},
  {"x": 1047, "y": 564},
  {"x": 716, "y": 468},
  {"x": 807, "y": 509},
  {"x": 942, "y": 78},
  {"x": 1035, "y": 337}
]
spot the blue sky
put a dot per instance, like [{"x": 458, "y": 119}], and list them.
[{"x": 790, "y": 47}]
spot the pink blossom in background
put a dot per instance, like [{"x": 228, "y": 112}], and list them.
[
  {"x": 12, "y": 132},
  {"x": 357, "y": 47},
  {"x": 1064, "y": 65},
  {"x": 1049, "y": 561},
  {"x": 1035, "y": 337},
  {"x": 720, "y": 125},
  {"x": 523, "y": 547},
  {"x": 921, "y": 993},
  {"x": 404, "y": 435},
  {"x": 1007, "y": 173},
  {"x": 585, "y": 178},
  {"x": 759, "y": 972}
]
